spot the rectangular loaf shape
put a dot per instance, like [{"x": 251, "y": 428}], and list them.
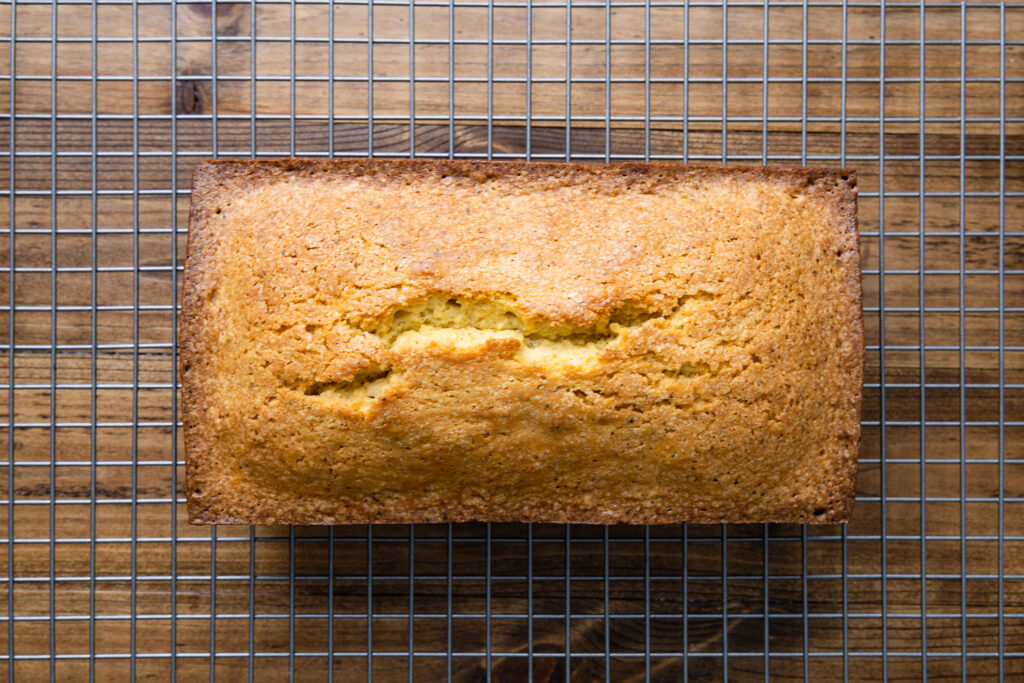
[{"x": 424, "y": 341}]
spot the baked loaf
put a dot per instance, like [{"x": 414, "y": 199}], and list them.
[{"x": 425, "y": 341}]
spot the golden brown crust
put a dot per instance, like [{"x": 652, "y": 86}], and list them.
[{"x": 419, "y": 341}]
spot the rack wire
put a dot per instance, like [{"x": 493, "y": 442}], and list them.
[{"x": 110, "y": 105}]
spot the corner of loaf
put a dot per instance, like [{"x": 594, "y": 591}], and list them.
[{"x": 370, "y": 341}]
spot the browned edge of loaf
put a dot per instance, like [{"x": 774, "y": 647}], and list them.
[{"x": 211, "y": 176}]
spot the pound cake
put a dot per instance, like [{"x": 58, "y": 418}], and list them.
[{"x": 426, "y": 341}]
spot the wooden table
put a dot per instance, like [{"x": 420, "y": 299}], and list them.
[{"x": 99, "y": 218}]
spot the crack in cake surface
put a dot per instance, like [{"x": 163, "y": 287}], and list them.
[
  {"x": 448, "y": 322},
  {"x": 501, "y": 313}
]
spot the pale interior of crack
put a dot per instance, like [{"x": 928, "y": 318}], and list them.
[{"x": 460, "y": 324}]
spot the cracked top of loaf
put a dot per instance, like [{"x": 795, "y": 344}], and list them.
[{"x": 421, "y": 341}]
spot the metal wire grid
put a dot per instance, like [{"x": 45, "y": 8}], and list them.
[{"x": 112, "y": 104}]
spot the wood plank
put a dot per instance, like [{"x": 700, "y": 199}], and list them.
[
  {"x": 194, "y": 135},
  {"x": 625, "y": 62},
  {"x": 704, "y": 600}
]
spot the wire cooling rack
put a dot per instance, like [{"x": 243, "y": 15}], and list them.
[{"x": 110, "y": 105}]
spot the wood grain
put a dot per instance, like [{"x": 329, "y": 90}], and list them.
[
  {"x": 681, "y": 45},
  {"x": 906, "y": 546}
]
